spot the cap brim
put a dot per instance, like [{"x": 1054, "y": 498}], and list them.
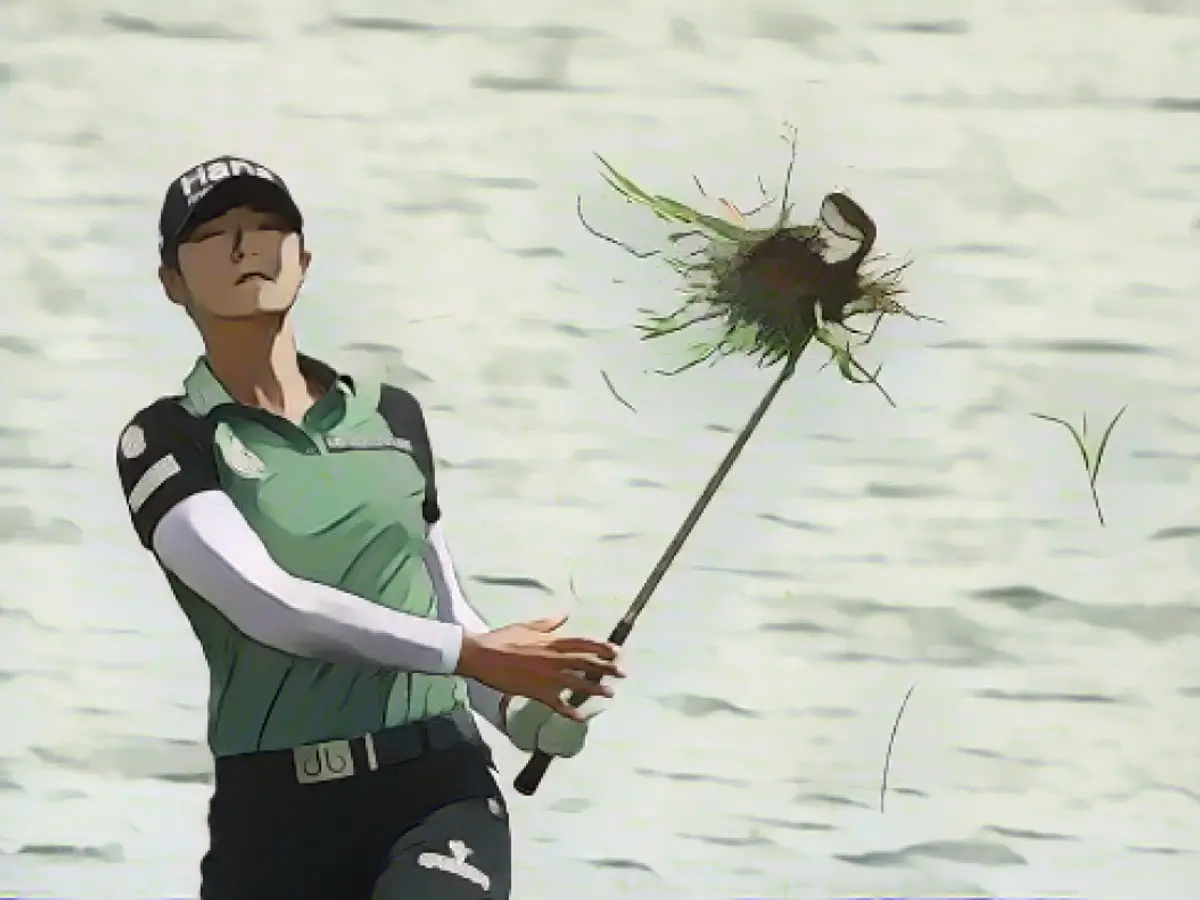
[{"x": 240, "y": 190}]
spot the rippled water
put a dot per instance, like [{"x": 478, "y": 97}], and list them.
[{"x": 1039, "y": 167}]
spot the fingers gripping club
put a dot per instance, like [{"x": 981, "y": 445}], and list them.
[{"x": 530, "y": 777}]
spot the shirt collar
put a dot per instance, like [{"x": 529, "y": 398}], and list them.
[{"x": 203, "y": 391}]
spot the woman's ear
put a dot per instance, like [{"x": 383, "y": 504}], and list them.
[
  {"x": 173, "y": 285},
  {"x": 305, "y": 261}
]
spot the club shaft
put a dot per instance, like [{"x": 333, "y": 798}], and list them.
[{"x": 530, "y": 777}]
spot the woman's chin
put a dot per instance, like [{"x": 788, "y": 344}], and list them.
[
  {"x": 266, "y": 299},
  {"x": 252, "y": 307},
  {"x": 269, "y": 304}
]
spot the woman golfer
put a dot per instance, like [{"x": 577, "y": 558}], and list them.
[{"x": 293, "y": 511}]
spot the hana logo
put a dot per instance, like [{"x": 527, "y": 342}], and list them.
[
  {"x": 455, "y": 864},
  {"x": 202, "y": 179}
]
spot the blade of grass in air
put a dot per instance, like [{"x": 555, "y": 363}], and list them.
[
  {"x": 1091, "y": 460},
  {"x": 613, "y": 390},
  {"x": 887, "y": 760}
]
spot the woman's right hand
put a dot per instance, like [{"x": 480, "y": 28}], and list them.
[{"x": 528, "y": 659}]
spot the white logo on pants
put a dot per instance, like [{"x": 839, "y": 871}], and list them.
[{"x": 455, "y": 864}]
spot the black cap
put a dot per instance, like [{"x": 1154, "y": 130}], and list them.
[{"x": 214, "y": 187}]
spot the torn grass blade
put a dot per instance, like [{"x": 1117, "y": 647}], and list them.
[{"x": 1092, "y": 457}]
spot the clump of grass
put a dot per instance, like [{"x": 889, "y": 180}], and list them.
[{"x": 770, "y": 290}]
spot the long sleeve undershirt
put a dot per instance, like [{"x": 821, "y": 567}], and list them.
[
  {"x": 453, "y": 607},
  {"x": 208, "y": 545}
]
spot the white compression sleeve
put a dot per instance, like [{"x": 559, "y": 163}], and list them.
[
  {"x": 206, "y": 542},
  {"x": 453, "y": 607}
]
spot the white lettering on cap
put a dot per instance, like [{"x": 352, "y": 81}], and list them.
[
  {"x": 195, "y": 198},
  {"x": 202, "y": 178}
]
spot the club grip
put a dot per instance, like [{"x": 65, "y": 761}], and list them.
[{"x": 527, "y": 780}]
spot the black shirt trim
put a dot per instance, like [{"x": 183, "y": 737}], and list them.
[{"x": 405, "y": 419}]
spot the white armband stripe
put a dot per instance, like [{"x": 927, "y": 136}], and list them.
[{"x": 152, "y": 479}]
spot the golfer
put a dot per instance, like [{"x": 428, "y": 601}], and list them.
[{"x": 294, "y": 513}]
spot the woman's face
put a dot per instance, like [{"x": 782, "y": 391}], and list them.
[{"x": 241, "y": 264}]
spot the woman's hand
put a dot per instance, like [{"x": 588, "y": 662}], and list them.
[{"x": 529, "y": 660}]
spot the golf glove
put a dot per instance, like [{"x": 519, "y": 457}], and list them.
[{"x": 533, "y": 726}]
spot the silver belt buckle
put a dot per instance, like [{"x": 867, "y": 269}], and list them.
[{"x": 323, "y": 762}]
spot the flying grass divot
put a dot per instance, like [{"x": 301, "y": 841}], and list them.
[{"x": 769, "y": 291}]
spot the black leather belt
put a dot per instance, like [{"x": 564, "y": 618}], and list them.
[{"x": 335, "y": 760}]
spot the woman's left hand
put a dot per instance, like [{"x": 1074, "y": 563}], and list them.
[{"x": 533, "y": 726}]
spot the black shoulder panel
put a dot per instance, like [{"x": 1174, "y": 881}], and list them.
[{"x": 405, "y": 419}]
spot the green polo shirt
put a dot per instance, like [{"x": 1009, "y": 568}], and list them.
[{"x": 341, "y": 499}]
